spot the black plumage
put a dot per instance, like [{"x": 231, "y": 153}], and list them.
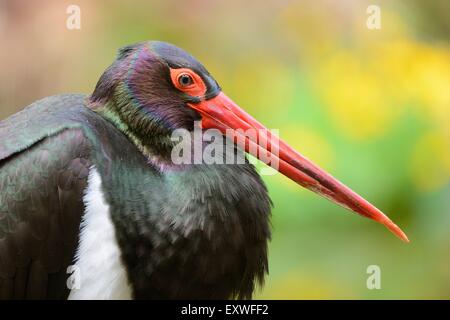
[{"x": 180, "y": 243}]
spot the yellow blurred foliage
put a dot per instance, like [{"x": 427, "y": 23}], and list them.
[
  {"x": 430, "y": 162},
  {"x": 366, "y": 90},
  {"x": 302, "y": 285},
  {"x": 254, "y": 85}
]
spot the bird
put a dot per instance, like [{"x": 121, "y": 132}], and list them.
[{"x": 92, "y": 205}]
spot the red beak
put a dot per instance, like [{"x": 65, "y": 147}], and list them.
[{"x": 223, "y": 114}]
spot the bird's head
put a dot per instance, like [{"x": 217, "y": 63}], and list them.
[
  {"x": 149, "y": 86},
  {"x": 154, "y": 88}
]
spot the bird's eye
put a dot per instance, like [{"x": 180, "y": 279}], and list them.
[{"x": 185, "y": 80}]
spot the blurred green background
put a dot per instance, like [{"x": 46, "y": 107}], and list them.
[{"x": 370, "y": 106}]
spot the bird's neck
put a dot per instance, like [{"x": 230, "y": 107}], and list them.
[{"x": 155, "y": 143}]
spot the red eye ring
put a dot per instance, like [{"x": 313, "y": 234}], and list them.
[{"x": 194, "y": 85}]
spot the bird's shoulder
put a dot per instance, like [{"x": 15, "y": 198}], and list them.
[
  {"x": 41, "y": 119},
  {"x": 46, "y": 153}
]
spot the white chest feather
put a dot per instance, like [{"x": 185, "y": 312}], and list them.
[{"x": 102, "y": 274}]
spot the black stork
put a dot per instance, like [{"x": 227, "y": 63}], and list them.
[{"x": 88, "y": 187}]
